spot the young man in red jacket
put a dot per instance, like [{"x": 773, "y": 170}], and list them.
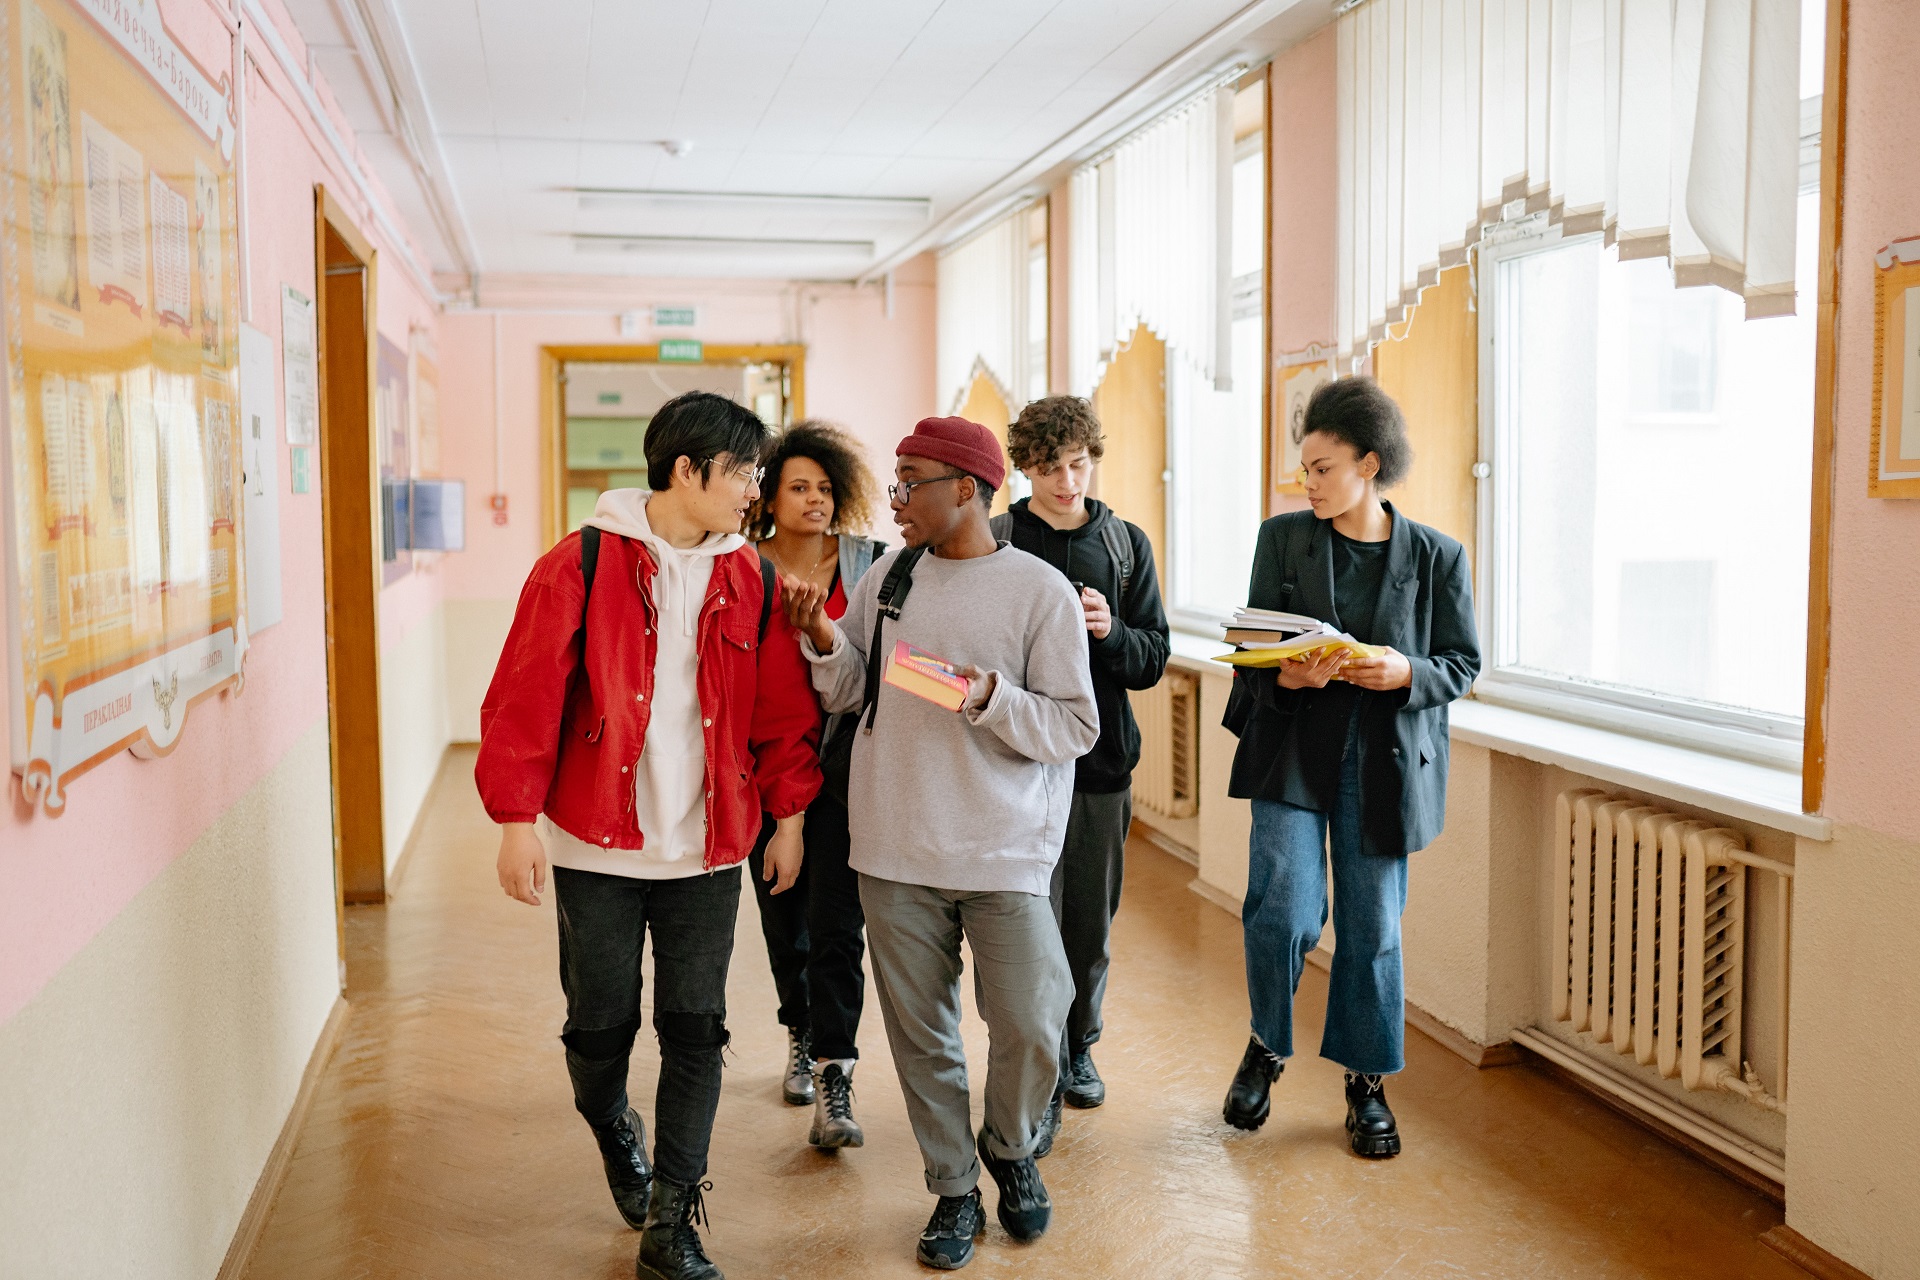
[{"x": 651, "y": 702}]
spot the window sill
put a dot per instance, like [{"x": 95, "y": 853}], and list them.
[
  {"x": 1739, "y": 789},
  {"x": 1193, "y": 652}
]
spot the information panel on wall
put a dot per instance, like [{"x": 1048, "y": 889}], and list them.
[{"x": 119, "y": 272}]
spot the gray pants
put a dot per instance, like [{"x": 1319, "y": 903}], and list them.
[
  {"x": 1022, "y": 987},
  {"x": 1086, "y": 896}
]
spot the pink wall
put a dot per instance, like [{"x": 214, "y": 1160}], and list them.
[
  {"x": 1873, "y": 734},
  {"x": 128, "y": 819},
  {"x": 870, "y": 373},
  {"x": 1305, "y": 195}
]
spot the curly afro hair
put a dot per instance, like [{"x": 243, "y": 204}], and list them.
[
  {"x": 1356, "y": 412},
  {"x": 1048, "y": 428},
  {"x": 839, "y": 456}
]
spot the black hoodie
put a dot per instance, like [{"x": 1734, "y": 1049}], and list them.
[{"x": 1134, "y": 653}]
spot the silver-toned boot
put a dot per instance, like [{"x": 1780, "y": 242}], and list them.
[
  {"x": 797, "y": 1088},
  {"x": 833, "y": 1122}
]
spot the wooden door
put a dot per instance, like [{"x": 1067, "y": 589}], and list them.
[
  {"x": 1132, "y": 404},
  {"x": 350, "y": 514}
]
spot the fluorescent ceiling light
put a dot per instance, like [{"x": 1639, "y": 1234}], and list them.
[
  {"x": 593, "y": 242},
  {"x": 854, "y": 208}
]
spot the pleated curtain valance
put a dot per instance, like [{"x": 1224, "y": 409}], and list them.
[
  {"x": 1149, "y": 243},
  {"x": 1673, "y": 126},
  {"x": 980, "y": 316}
]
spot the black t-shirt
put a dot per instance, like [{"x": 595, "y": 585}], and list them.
[{"x": 1358, "y": 568}]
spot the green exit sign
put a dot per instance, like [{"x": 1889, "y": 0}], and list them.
[
  {"x": 681, "y": 351},
  {"x": 675, "y": 317}
]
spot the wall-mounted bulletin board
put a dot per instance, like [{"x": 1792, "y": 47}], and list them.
[
  {"x": 119, "y": 300},
  {"x": 1894, "y": 457},
  {"x": 1295, "y": 380}
]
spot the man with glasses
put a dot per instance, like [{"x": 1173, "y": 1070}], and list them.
[
  {"x": 651, "y": 702},
  {"x": 956, "y": 818}
]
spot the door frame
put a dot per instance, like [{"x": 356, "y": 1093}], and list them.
[
  {"x": 553, "y": 359},
  {"x": 350, "y": 538}
]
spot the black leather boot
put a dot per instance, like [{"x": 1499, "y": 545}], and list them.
[
  {"x": 623, "y": 1150},
  {"x": 1370, "y": 1126},
  {"x": 1049, "y": 1126},
  {"x": 670, "y": 1249},
  {"x": 1247, "y": 1098}
]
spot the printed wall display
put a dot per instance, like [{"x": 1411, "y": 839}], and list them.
[
  {"x": 125, "y": 564},
  {"x": 1295, "y": 383},
  {"x": 1894, "y": 454},
  {"x": 392, "y": 425}
]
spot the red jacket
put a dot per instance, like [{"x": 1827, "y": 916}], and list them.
[{"x": 562, "y": 742}]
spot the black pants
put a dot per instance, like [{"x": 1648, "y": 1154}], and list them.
[
  {"x": 1086, "y": 895},
  {"x": 815, "y": 934},
  {"x": 603, "y": 924}
]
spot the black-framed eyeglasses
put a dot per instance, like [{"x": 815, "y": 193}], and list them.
[
  {"x": 745, "y": 473},
  {"x": 902, "y": 492}
]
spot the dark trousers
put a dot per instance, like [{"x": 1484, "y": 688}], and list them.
[
  {"x": 1086, "y": 895},
  {"x": 815, "y": 935},
  {"x": 604, "y": 921}
]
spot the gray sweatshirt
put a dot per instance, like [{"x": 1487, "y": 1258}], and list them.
[{"x": 975, "y": 801}]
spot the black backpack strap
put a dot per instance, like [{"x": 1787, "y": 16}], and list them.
[
  {"x": 589, "y": 564},
  {"x": 766, "y": 595},
  {"x": 1120, "y": 547},
  {"x": 893, "y": 594}
]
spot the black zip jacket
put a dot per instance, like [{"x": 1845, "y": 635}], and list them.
[{"x": 1134, "y": 653}]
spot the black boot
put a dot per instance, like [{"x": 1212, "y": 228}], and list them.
[
  {"x": 1024, "y": 1209},
  {"x": 1085, "y": 1089},
  {"x": 1247, "y": 1098},
  {"x": 1370, "y": 1126},
  {"x": 623, "y": 1150},
  {"x": 670, "y": 1249},
  {"x": 1049, "y": 1126}
]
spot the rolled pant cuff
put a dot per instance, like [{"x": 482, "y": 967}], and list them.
[{"x": 955, "y": 1186}]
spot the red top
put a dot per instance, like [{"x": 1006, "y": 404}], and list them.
[
  {"x": 837, "y": 600},
  {"x": 562, "y": 740}
]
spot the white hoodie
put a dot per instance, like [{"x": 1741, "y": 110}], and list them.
[{"x": 670, "y": 777}]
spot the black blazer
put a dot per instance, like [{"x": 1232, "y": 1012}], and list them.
[{"x": 1426, "y": 612}]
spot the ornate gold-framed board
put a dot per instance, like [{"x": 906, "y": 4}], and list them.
[
  {"x": 1893, "y": 457},
  {"x": 120, "y": 306}
]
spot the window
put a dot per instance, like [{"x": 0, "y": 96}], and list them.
[
  {"x": 1647, "y": 558},
  {"x": 1215, "y": 438}
]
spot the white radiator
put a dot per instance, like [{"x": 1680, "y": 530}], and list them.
[
  {"x": 1649, "y": 947},
  {"x": 1167, "y": 779}
]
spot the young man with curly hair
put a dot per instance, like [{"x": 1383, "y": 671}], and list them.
[{"x": 1056, "y": 442}]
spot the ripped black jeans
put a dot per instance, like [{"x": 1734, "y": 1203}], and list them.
[{"x": 603, "y": 922}]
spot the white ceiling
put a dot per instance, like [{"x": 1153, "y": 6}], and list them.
[{"x": 485, "y": 118}]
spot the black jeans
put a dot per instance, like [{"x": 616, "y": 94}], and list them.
[
  {"x": 603, "y": 923},
  {"x": 1086, "y": 896},
  {"x": 815, "y": 935}
]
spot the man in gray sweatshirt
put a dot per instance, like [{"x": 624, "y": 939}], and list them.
[{"x": 957, "y": 818}]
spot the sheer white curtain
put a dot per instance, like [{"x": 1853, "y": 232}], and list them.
[
  {"x": 1149, "y": 244},
  {"x": 981, "y": 313},
  {"x": 1671, "y": 125}
]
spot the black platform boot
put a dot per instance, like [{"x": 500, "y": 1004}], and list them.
[
  {"x": 1247, "y": 1098},
  {"x": 1370, "y": 1126},
  {"x": 623, "y": 1150},
  {"x": 670, "y": 1249}
]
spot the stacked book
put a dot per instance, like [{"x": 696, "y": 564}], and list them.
[{"x": 1268, "y": 637}]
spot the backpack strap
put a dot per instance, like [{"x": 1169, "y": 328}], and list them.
[
  {"x": 766, "y": 594},
  {"x": 1120, "y": 547},
  {"x": 893, "y": 594},
  {"x": 589, "y": 565}
]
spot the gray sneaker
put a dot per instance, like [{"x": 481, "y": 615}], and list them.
[
  {"x": 797, "y": 1088},
  {"x": 833, "y": 1122}
]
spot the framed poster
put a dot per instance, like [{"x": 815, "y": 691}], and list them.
[
  {"x": 392, "y": 425},
  {"x": 125, "y": 564},
  {"x": 1297, "y": 381},
  {"x": 1894, "y": 452}
]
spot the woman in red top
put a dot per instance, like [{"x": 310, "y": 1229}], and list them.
[{"x": 818, "y": 495}]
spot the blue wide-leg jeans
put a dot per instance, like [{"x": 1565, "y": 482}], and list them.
[{"x": 1286, "y": 909}]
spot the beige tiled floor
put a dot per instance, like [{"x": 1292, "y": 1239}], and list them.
[{"x": 443, "y": 1142}]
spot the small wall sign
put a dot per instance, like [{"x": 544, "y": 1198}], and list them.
[{"x": 681, "y": 351}]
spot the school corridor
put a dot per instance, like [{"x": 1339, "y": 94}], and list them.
[{"x": 442, "y": 1139}]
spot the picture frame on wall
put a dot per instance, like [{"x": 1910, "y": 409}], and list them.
[
  {"x": 1297, "y": 378},
  {"x": 1893, "y": 456}
]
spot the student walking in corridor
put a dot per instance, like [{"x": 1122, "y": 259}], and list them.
[
  {"x": 651, "y": 702},
  {"x": 957, "y": 812}
]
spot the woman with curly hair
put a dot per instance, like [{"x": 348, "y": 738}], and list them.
[{"x": 814, "y": 509}]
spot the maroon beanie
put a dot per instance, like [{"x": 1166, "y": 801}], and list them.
[{"x": 958, "y": 443}]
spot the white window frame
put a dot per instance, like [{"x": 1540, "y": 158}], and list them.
[{"x": 1769, "y": 739}]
